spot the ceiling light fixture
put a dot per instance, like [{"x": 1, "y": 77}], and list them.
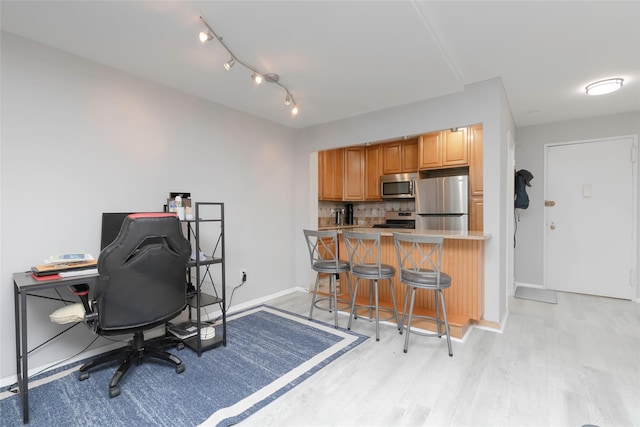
[
  {"x": 230, "y": 63},
  {"x": 604, "y": 86},
  {"x": 257, "y": 76}
]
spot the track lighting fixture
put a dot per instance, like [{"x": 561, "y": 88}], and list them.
[
  {"x": 230, "y": 63},
  {"x": 257, "y": 76}
]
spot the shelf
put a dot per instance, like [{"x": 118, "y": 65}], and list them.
[
  {"x": 216, "y": 341},
  {"x": 205, "y": 299},
  {"x": 208, "y": 261}
]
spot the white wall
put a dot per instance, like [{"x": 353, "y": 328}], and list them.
[
  {"x": 484, "y": 103},
  {"x": 530, "y": 143},
  {"x": 79, "y": 138}
]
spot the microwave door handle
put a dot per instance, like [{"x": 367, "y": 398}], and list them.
[{"x": 411, "y": 183}]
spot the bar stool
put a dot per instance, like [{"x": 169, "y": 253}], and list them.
[
  {"x": 365, "y": 259},
  {"x": 419, "y": 264},
  {"x": 323, "y": 254}
]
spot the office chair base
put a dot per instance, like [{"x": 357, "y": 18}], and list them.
[{"x": 137, "y": 350}]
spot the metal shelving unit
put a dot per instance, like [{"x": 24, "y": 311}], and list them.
[{"x": 198, "y": 299}]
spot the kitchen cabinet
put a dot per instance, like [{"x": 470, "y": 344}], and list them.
[
  {"x": 475, "y": 161},
  {"x": 476, "y": 213},
  {"x": 476, "y": 194},
  {"x": 372, "y": 172},
  {"x": 400, "y": 156},
  {"x": 443, "y": 149},
  {"x": 331, "y": 174},
  {"x": 362, "y": 169},
  {"x": 354, "y": 173}
]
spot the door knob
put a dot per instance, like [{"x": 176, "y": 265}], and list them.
[{"x": 552, "y": 226}]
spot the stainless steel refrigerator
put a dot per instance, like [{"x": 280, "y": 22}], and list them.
[{"x": 442, "y": 203}]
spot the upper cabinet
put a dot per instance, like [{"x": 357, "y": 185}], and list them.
[
  {"x": 372, "y": 172},
  {"x": 330, "y": 174},
  {"x": 475, "y": 160},
  {"x": 476, "y": 197},
  {"x": 449, "y": 148},
  {"x": 362, "y": 169},
  {"x": 400, "y": 156},
  {"x": 354, "y": 173}
]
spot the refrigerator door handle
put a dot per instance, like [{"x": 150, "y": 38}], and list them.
[{"x": 440, "y": 214}]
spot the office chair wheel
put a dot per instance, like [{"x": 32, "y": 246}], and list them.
[
  {"x": 180, "y": 368},
  {"x": 114, "y": 391},
  {"x": 83, "y": 375}
]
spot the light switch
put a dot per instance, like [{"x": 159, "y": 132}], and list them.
[{"x": 586, "y": 190}]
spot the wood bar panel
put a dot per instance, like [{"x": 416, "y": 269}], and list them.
[{"x": 462, "y": 259}]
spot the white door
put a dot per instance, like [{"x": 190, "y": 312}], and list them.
[{"x": 590, "y": 227}]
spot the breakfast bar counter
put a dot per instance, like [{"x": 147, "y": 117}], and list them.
[{"x": 462, "y": 258}]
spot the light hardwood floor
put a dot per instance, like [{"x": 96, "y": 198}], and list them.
[{"x": 570, "y": 364}]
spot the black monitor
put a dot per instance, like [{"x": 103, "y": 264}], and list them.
[{"x": 111, "y": 224}]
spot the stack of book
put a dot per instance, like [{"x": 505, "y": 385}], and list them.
[
  {"x": 63, "y": 263},
  {"x": 183, "y": 330}
]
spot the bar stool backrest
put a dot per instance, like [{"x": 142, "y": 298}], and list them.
[
  {"x": 363, "y": 249},
  {"x": 323, "y": 249},
  {"x": 418, "y": 254}
]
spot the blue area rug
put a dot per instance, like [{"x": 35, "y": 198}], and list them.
[{"x": 268, "y": 352}]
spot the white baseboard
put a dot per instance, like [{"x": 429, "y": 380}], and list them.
[{"x": 526, "y": 285}]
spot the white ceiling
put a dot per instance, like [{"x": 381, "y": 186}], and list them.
[{"x": 344, "y": 58}]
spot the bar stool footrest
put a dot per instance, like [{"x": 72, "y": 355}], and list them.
[
  {"x": 327, "y": 303},
  {"x": 365, "y": 309}
]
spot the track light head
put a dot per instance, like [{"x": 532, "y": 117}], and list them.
[
  {"x": 256, "y": 77},
  {"x": 205, "y": 37},
  {"x": 294, "y": 110},
  {"x": 230, "y": 63},
  {"x": 287, "y": 100}
]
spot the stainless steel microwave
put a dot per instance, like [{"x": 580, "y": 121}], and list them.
[{"x": 398, "y": 186}]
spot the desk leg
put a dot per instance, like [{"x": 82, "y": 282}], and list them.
[{"x": 20, "y": 304}]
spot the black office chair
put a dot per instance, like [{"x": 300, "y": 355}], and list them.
[{"x": 142, "y": 285}]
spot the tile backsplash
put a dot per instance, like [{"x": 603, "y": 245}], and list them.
[{"x": 364, "y": 213}]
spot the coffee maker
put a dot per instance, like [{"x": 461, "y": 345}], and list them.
[{"x": 348, "y": 219}]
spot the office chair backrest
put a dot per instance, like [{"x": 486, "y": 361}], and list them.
[{"x": 142, "y": 279}]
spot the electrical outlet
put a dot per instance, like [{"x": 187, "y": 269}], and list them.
[{"x": 243, "y": 272}]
